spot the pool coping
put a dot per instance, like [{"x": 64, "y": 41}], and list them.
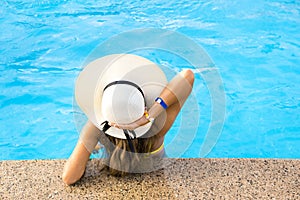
[{"x": 203, "y": 178}]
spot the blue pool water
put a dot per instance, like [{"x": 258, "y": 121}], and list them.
[{"x": 253, "y": 44}]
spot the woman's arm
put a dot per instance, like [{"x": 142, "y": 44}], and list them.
[
  {"x": 176, "y": 92},
  {"x": 76, "y": 164},
  {"x": 174, "y": 95}
]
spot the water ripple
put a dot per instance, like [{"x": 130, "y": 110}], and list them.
[{"x": 255, "y": 47}]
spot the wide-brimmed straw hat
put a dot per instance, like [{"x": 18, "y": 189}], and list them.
[{"x": 116, "y": 88}]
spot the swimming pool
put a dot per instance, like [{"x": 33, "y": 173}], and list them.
[{"x": 254, "y": 46}]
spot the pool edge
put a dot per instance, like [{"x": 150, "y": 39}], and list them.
[{"x": 182, "y": 178}]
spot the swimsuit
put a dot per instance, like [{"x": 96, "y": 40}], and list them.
[{"x": 160, "y": 152}]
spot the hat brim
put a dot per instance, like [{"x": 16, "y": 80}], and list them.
[{"x": 102, "y": 71}]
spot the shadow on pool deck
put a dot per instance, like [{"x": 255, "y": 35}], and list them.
[{"x": 181, "y": 179}]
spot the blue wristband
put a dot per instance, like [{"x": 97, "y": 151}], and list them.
[{"x": 161, "y": 102}]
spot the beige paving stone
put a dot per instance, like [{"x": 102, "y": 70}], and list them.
[{"x": 179, "y": 179}]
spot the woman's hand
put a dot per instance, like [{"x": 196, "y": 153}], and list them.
[{"x": 140, "y": 122}]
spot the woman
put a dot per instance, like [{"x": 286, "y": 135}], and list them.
[{"x": 130, "y": 107}]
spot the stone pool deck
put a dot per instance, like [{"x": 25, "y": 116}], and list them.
[{"x": 180, "y": 179}]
